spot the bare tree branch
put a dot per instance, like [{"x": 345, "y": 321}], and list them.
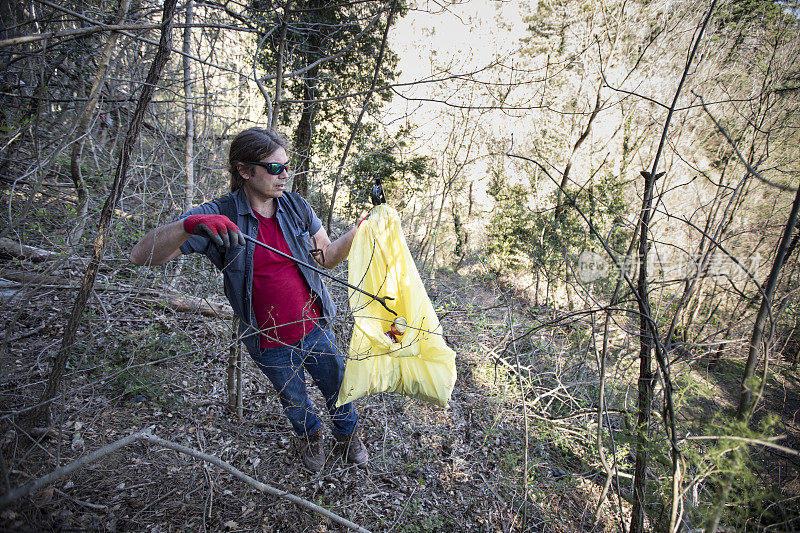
[
  {"x": 749, "y": 168},
  {"x": 147, "y": 435}
]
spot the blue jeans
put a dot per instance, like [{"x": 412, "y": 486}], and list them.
[{"x": 318, "y": 354}]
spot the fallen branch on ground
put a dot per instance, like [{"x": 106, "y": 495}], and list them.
[
  {"x": 12, "y": 248},
  {"x": 180, "y": 303},
  {"x": 147, "y": 435}
]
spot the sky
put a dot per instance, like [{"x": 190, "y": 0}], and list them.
[{"x": 461, "y": 38}]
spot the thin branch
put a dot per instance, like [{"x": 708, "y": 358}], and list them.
[
  {"x": 337, "y": 55},
  {"x": 760, "y": 442},
  {"x": 138, "y": 38},
  {"x": 750, "y": 169},
  {"x": 263, "y": 487},
  {"x": 76, "y": 32},
  {"x": 260, "y": 84},
  {"x": 100, "y": 27}
]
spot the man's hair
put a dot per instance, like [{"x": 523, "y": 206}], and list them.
[{"x": 252, "y": 144}]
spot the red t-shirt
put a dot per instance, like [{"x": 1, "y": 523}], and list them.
[{"x": 284, "y": 305}]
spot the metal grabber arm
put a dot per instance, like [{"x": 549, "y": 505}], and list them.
[{"x": 380, "y": 299}]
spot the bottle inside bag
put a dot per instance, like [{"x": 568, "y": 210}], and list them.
[{"x": 397, "y": 329}]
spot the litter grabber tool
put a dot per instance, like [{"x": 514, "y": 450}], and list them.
[{"x": 380, "y": 299}]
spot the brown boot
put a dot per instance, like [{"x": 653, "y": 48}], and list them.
[
  {"x": 312, "y": 452},
  {"x": 351, "y": 448}
]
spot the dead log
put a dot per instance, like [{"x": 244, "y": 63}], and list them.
[
  {"x": 16, "y": 250},
  {"x": 190, "y": 304}
]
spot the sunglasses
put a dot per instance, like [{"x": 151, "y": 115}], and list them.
[{"x": 275, "y": 169}]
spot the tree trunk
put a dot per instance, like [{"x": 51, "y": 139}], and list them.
[
  {"x": 235, "y": 371},
  {"x": 749, "y": 382},
  {"x": 460, "y": 231},
  {"x": 304, "y": 134},
  {"x": 646, "y": 378},
  {"x": 276, "y": 109},
  {"x": 746, "y": 403},
  {"x": 188, "y": 154},
  {"x": 649, "y": 334},
  {"x": 84, "y": 128},
  {"x": 189, "y": 134},
  {"x": 103, "y": 230}
]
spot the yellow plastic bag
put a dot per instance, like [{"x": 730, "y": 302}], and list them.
[{"x": 420, "y": 365}]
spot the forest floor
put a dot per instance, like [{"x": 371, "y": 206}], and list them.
[{"x": 138, "y": 364}]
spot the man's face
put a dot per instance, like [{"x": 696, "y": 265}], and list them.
[{"x": 263, "y": 184}]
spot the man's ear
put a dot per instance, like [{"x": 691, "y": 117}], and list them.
[{"x": 244, "y": 170}]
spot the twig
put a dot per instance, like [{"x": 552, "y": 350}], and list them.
[
  {"x": 494, "y": 492},
  {"x": 403, "y": 510},
  {"x": 90, "y": 505},
  {"x": 152, "y": 503},
  {"x": 25, "y": 334}
]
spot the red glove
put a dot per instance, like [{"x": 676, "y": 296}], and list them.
[{"x": 218, "y": 228}]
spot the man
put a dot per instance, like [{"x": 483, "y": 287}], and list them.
[{"x": 283, "y": 307}]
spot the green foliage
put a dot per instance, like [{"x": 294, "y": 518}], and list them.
[
  {"x": 420, "y": 519},
  {"x": 402, "y": 176},
  {"x": 739, "y": 14},
  {"x": 603, "y": 204},
  {"x": 519, "y": 237},
  {"x": 511, "y": 232},
  {"x": 726, "y": 470},
  {"x": 138, "y": 363},
  {"x": 126, "y": 232},
  {"x": 129, "y": 382},
  {"x": 732, "y": 463}
]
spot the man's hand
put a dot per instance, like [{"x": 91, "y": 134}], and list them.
[{"x": 218, "y": 228}]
